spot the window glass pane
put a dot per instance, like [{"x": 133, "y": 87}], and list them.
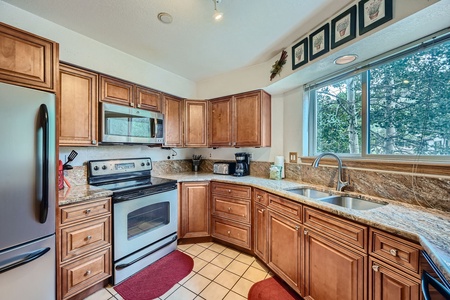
[
  {"x": 338, "y": 117},
  {"x": 409, "y": 104}
]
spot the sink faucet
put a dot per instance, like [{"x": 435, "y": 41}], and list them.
[{"x": 340, "y": 183}]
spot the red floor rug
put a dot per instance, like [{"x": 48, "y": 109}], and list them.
[
  {"x": 156, "y": 279},
  {"x": 272, "y": 289}
]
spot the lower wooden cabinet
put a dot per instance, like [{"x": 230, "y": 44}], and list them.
[
  {"x": 285, "y": 249},
  {"x": 194, "y": 212},
  {"x": 84, "y": 246},
  {"x": 260, "y": 225},
  {"x": 387, "y": 283},
  {"x": 232, "y": 232},
  {"x": 333, "y": 271}
]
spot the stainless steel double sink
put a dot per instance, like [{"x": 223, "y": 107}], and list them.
[{"x": 343, "y": 201}]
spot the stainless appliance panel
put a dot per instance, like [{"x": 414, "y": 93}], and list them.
[
  {"x": 126, "y": 243},
  {"x": 24, "y": 176},
  {"x": 35, "y": 280}
]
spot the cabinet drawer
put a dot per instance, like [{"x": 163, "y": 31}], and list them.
[
  {"x": 238, "y": 210},
  {"x": 399, "y": 252},
  {"x": 232, "y": 232},
  {"x": 87, "y": 236},
  {"x": 261, "y": 197},
  {"x": 83, "y": 273},
  {"x": 73, "y": 213},
  {"x": 286, "y": 207},
  {"x": 231, "y": 190},
  {"x": 341, "y": 230}
]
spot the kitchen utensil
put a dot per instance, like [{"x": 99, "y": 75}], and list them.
[{"x": 71, "y": 157}]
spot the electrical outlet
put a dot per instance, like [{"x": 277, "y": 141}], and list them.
[{"x": 293, "y": 157}]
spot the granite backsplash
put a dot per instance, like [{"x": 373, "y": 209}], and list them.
[{"x": 422, "y": 190}]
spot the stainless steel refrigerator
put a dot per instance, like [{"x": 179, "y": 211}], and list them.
[{"x": 27, "y": 194}]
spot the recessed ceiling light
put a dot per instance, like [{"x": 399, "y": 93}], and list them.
[
  {"x": 165, "y": 18},
  {"x": 345, "y": 59}
]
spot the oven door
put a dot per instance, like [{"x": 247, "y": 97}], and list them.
[{"x": 143, "y": 221}]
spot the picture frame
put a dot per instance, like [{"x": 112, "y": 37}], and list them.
[
  {"x": 300, "y": 53},
  {"x": 343, "y": 27},
  {"x": 373, "y": 13},
  {"x": 319, "y": 42}
]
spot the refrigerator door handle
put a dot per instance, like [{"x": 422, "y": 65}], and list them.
[
  {"x": 4, "y": 267},
  {"x": 44, "y": 123}
]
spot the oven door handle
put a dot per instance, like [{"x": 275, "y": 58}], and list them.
[{"x": 123, "y": 266}]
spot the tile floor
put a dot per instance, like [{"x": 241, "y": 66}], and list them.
[{"x": 219, "y": 273}]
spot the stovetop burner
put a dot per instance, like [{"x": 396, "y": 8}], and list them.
[{"x": 124, "y": 177}]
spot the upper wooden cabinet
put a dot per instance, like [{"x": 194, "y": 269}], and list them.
[
  {"x": 185, "y": 122},
  {"x": 122, "y": 92},
  {"x": 195, "y": 127},
  {"x": 173, "y": 121},
  {"x": 242, "y": 120},
  {"x": 78, "y": 107},
  {"x": 27, "y": 59}
]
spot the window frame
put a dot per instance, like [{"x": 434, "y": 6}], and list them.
[{"x": 363, "y": 69}]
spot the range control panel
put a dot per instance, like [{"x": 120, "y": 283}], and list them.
[{"x": 119, "y": 166}]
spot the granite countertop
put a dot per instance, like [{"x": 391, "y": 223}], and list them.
[
  {"x": 428, "y": 227},
  {"x": 80, "y": 193}
]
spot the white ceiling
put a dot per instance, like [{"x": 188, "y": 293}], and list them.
[{"x": 194, "y": 46}]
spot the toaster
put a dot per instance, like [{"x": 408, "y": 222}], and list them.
[{"x": 225, "y": 168}]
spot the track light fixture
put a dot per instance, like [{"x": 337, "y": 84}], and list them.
[{"x": 217, "y": 14}]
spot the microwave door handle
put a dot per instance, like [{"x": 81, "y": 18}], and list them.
[
  {"x": 44, "y": 124},
  {"x": 156, "y": 127}
]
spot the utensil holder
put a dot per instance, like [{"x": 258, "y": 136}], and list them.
[{"x": 195, "y": 165}]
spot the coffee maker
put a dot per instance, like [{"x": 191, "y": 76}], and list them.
[{"x": 242, "y": 164}]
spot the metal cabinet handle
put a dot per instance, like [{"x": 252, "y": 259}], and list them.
[
  {"x": 88, "y": 272},
  {"x": 229, "y": 232},
  {"x": 296, "y": 228},
  {"x": 229, "y": 191},
  {"x": 393, "y": 252},
  {"x": 259, "y": 197},
  {"x": 305, "y": 232},
  {"x": 89, "y": 237},
  {"x": 375, "y": 268},
  {"x": 87, "y": 211},
  {"x": 261, "y": 210},
  {"x": 94, "y": 142},
  {"x": 131, "y": 104},
  {"x": 229, "y": 209},
  {"x": 138, "y": 106}
]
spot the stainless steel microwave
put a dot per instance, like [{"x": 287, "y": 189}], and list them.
[{"x": 128, "y": 125}]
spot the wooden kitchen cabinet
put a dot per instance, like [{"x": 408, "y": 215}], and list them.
[
  {"x": 148, "y": 99},
  {"x": 194, "y": 212},
  {"x": 260, "y": 224},
  {"x": 77, "y": 106},
  {"x": 27, "y": 59},
  {"x": 285, "y": 249},
  {"x": 196, "y": 120},
  {"x": 173, "y": 121},
  {"x": 242, "y": 120},
  {"x": 231, "y": 213},
  {"x": 220, "y": 122},
  {"x": 84, "y": 247},
  {"x": 121, "y": 92},
  {"x": 332, "y": 271},
  {"x": 387, "y": 283}
]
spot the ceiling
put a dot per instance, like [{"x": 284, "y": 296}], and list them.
[{"x": 193, "y": 46}]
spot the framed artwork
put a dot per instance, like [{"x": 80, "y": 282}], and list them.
[
  {"x": 300, "y": 54},
  {"x": 373, "y": 13},
  {"x": 319, "y": 42},
  {"x": 343, "y": 27}
]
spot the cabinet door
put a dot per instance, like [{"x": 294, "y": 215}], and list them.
[
  {"x": 27, "y": 59},
  {"x": 195, "y": 132},
  {"x": 285, "y": 249},
  {"x": 220, "y": 122},
  {"x": 260, "y": 231},
  {"x": 194, "y": 217},
  {"x": 148, "y": 99},
  {"x": 78, "y": 107},
  {"x": 116, "y": 91},
  {"x": 333, "y": 271},
  {"x": 387, "y": 283},
  {"x": 247, "y": 119},
  {"x": 173, "y": 121}
]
